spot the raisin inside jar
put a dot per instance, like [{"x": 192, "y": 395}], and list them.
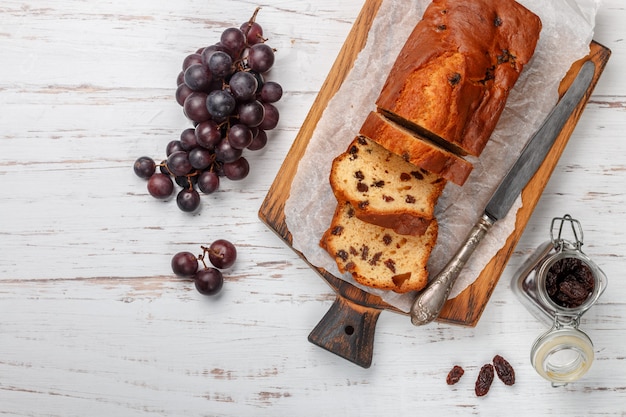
[{"x": 569, "y": 282}]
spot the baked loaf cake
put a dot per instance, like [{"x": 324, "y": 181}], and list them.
[
  {"x": 384, "y": 189},
  {"x": 452, "y": 77},
  {"x": 440, "y": 102},
  {"x": 376, "y": 256},
  {"x": 416, "y": 149}
]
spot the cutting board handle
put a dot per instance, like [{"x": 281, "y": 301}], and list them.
[{"x": 347, "y": 330}]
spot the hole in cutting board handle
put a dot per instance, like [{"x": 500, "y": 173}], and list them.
[{"x": 347, "y": 330}]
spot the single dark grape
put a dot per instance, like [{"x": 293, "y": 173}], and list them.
[
  {"x": 222, "y": 254},
  {"x": 243, "y": 86},
  {"x": 200, "y": 158},
  {"x": 259, "y": 141},
  {"x": 160, "y": 186},
  {"x": 208, "y": 281},
  {"x": 208, "y": 134},
  {"x": 180, "y": 79},
  {"x": 208, "y": 182},
  {"x": 182, "y": 92},
  {"x": 237, "y": 170},
  {"x": 178, "y": 163},
  {"x": 220, "y": 64},
  {"x": 173, "y": 146},
  {"x": 234, "y": 40},
  {"x": 260, "y": 57},
  {"x": 188, "y": 200},
  {"x": 188, "y": 140},
  {"x": 240, "y": 136},
  {"x": 209, "y": 50},
  {"x": 271, "y": 92},
  {"x": 144, "y": 167},
  {"x": 251, "y": 114},
  {"x": 220, "y": 104},
  {"x": 191, "y": 59},
  {"x": 270, "y": 120},
  {"x": 194, "y": 107},
  {"x": 253, "y": 32},
  {"x": 184, "y": 264},
  {"x": 224, "y": 152},
  {"x": 198, "y": 77}
]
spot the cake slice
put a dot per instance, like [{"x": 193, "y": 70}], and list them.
[
  {"x": 384, "y": 189},
  {"x": 378, "y": 257},
  {"x": 416, "y": 149}
]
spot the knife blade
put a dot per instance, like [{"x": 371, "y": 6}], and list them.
[{"x": 428, "y": 304}]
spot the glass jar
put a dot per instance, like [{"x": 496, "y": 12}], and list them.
[{"x": 558, "y": 284}]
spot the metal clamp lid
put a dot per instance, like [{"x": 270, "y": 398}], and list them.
[{"x": 577, "y": 231}]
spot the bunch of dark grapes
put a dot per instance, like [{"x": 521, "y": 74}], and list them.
[
  {"x": 223, "y": 92},
  {"x": 208, "y": 278}
]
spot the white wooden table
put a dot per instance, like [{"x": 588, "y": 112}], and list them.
[{"x": 93, "y": 322}]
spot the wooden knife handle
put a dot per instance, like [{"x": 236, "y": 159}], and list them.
[{"x": 347, "y": 330}]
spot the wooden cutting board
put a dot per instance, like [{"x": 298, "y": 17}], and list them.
[{"x": 349, "y": 326}]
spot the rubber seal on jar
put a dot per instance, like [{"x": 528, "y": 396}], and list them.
[{"x": 562, "y": 355}]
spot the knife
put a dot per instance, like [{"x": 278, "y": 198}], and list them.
[{"x": 428, "y": 304}]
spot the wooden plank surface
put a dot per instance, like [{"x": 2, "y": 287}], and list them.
[{"x": 93, "y": 322}]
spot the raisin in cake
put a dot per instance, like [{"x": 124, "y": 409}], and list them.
[
  {"x": 378, "y": 257},
  {"x": 384, "y": 189},
  {"x": 452, "y": 77},
  {"x": 416, "y": 149}
]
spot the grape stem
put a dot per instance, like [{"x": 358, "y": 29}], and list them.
[
  {"x": 207, "y": 251},
  {"x": 252, "y": 19},
  {"x": 192, "y": 174},
  {"x": 163, "y": 164}
]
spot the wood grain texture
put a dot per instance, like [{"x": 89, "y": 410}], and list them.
[{"x": 92, "y": 322}]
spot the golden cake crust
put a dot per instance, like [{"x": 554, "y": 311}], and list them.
[
  {"x": 416, "y": 149},
  {"x": 452, "y": 78}
]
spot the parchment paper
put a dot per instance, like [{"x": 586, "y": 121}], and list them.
[{"x": 567, "y": 30}]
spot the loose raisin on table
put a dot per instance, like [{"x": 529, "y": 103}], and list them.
[
  {"x": 484, "y": 380},
  {"x": 454, "y": 375},
  {"x": 505, "y": 371}
]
